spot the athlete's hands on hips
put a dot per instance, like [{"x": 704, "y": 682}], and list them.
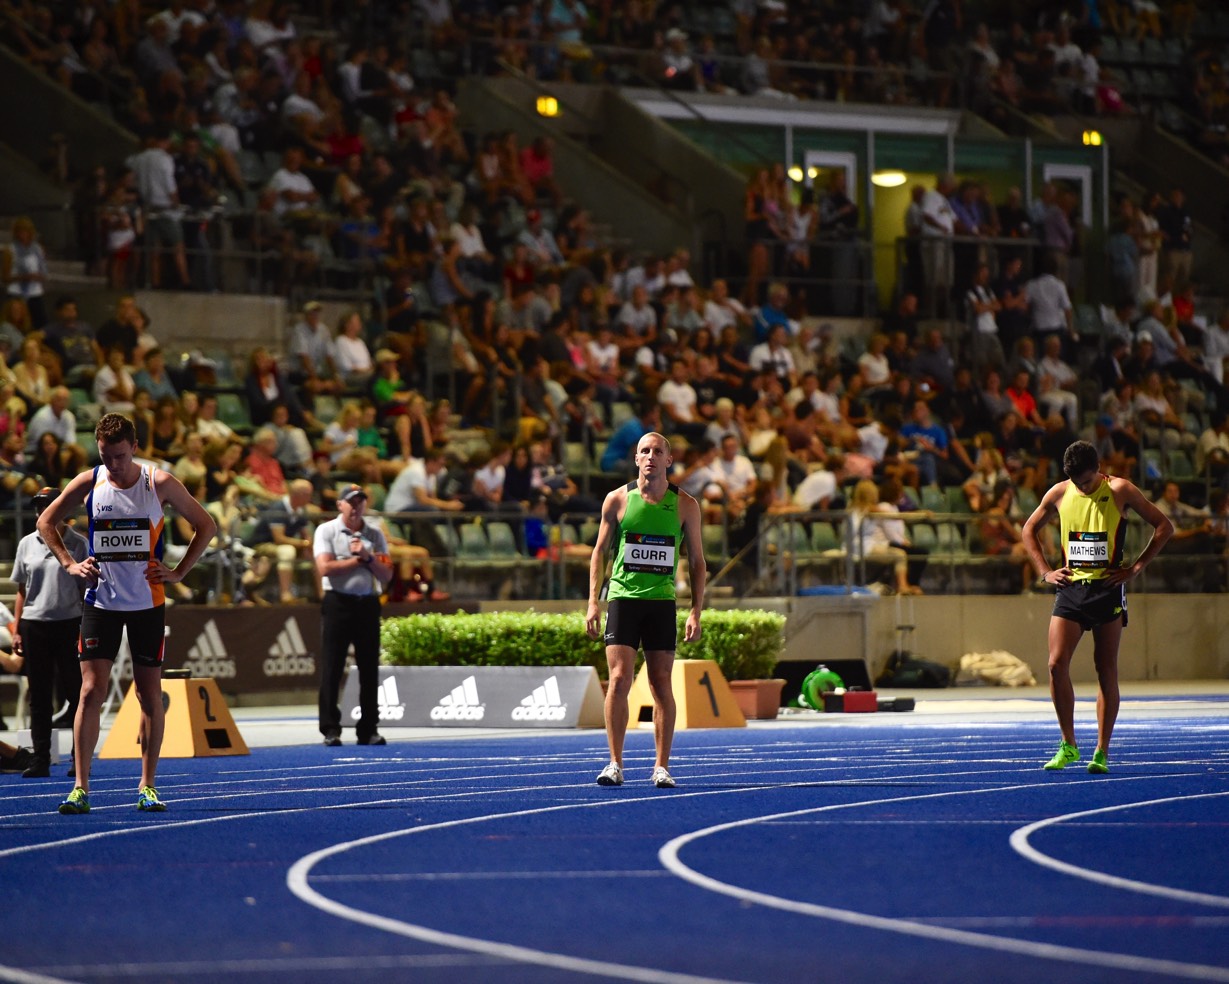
[
  {"x": 157, "y": 572},
  {"x": 593, "y": 621},
  {"x": 691, "y": 631},
  {"x": 1060, "y": 575},
  {"x": 1121, "y": 575},
  {"x": 87, "y": 569}
]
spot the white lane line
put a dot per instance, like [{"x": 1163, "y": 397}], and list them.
[
  {"x": 1020, "y": 843},
  {"x": 299, "y": 875},
  {"x": 265, "y": 965},
  {"x": 16, "y": 975},
  {"x": 669, "y": 857},
  {"x": 490, "y": 875}
]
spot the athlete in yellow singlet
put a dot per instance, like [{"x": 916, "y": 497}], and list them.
[{"x": 1091, "y": 585}]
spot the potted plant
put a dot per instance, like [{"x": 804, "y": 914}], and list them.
[{"x": 746, "y": 645}]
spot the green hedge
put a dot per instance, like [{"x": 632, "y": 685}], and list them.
[{"x": 746, "y": 644}]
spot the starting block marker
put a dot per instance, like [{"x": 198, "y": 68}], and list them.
[
  {"x": 701, "y": 694},
  {"x": 198, "y": 723}
]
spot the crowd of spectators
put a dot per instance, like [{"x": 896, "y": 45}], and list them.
[{"x": 500, "y": 294}]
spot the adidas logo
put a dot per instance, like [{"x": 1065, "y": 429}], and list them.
[
  {"x": 289, "y": 656},
  {"x": 208, "y": 656},
  {"x": 460, "y": 705},
  {"x": 391, "y": 707},
  {"x": 544, "y": 704}
]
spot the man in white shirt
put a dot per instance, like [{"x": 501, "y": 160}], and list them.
[
  {"x": 982, "y": 307},
  {"x": 938, "y": 227},
  {"x": 53, "y": 417},
  {"x": 1057, "y": 383},
  {"x": 153, "y": 170},
  {"x": 721, "y": 309},
  {"x": 1049, "y": 304},
  {"x": 293, "y": 190},
  {"x": 774, "y": 354},
  {"x": 734, "y": 473},
  {"x": 637, "y": 321},
  {"x": 311, "y": 347},
  {"x": 678, "y": 403}
]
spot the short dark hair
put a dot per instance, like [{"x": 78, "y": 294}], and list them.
[
  {"x": 114, "y": 428},
  {"x": 1080, "y": 457}
]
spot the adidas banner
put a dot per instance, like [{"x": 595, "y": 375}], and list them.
[
  {"x": 252, "y": 650},
  {"x": 482, "y": 697}
]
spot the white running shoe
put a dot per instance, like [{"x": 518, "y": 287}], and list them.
[
  {"x": 662, "y": 779},
  {"x": 612, "y": 775}
]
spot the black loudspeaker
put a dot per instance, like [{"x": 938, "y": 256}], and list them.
[{"x": 853, "y": 674}]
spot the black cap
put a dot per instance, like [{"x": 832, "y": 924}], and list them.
[
  {"x": 352, "y": 492},
  {"x": 44, "y": 497}
]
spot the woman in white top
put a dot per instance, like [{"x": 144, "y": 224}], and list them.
[
  {"x": 23, "y": 269},
  {"x": 871, "y": 541},
  {"x": 873, "y": 363},
  {"x": 350, "y": 352}
]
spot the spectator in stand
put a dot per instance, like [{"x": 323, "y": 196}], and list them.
[
  {"x": 735, "y": 474},
  {"x": 53, "y": 417},
  {"x": 1212, "y": 450},
  {"x": 262, "y": 477},
  {"x": 871, "y": 543},
  {"x": 1013, "y": 314},
  {"x": 1057, "y": 383},
  {"x": 933, "y": 362},
  {"x": 678, "y": 401},
  {"x": 265, "y": 385},
  {"x": 938, "y": 227},
  {"x": 774, "y": 354},
  {"x": 73, "y": 341},
  {"x": 772, "y": 313},
  {"x": 113, "y": 384},
  {"x": 350, "y": 352},
  {"x": 283, "y": 535},
  {"x": 929, "y": 440},
  {"x": 293, "y": 190},
  {"x": 1174, "y": 222},
  {"x": 720, "y": 309},
  {"x": 1151, "y": 241},
  {"x": 544, "y": 251},
  {"x": 1049, "y": 305},
  {"x": 1159, "y": 422},
  {"x": 30, "y": 376},
  {"x": 153, "y": 377},
  {"x": 1057, "y": 236},
  {"x": 982, "y": 308},
  {"x": 311, "y": 348},
  {"x": 207, "y": 423},
  {"x": 23, "y": 269},
  {"x": 123, "y": 328},
  {"x": 762, "y": 74},
  {"x": 538, "y": 166}
]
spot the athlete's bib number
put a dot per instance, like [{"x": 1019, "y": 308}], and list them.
[
  {"x": 1085, "y": 550},
  {"x": 122, "y": 539},
  {"x": 648, "y": 553}
]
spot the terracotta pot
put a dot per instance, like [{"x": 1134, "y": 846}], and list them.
[{"x": 758, "y": 699}]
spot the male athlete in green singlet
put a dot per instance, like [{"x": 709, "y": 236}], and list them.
[
  {"x": 1091, "y": 508},
  {"x": 646, "y": 523}
]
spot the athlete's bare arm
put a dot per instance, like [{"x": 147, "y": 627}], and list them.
[
  {"x": 1046, "y": 510},
  {"x": 612, "y": 512},
  {"x": 689, "y": 514},
  {"x": 172, "y": 491},
  {"x": 62, "y": 508},
  {"x": 1127, "y": 496}
]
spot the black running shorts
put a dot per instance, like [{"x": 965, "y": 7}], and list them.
[
  {"x": 102, "y": 629},
  {"x": 637, "y": 622},
  {"x": 1091, "y": 603}
]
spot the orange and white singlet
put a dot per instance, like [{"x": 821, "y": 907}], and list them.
[{"x": 125, "y": 535}]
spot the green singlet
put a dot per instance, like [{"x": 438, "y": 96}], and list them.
[
  {"x": 647, "y": 547},
  {"x": 1092, "y": 530}
]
